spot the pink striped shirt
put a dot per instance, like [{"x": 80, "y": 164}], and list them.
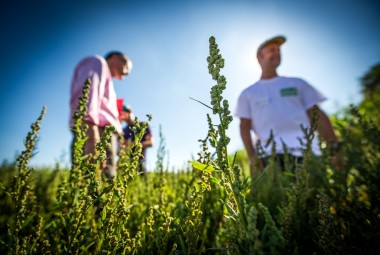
[{"x": 102, "y": 104}]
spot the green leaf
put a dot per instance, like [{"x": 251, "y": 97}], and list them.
[
  {"x": 229, "y": 217},
  {"x": 28, "y": 220},
  {"x": 116, "y": 193},
  {"x": 202, "y": 167},
  {"x": 233, "y": 162},
  {"x": 104, "y": 213},
  {"x": 129, "y": 207},
  {"x": 63, "y": 221},
  {"x": 214, "y": 180},
  {"x": 201, "y": 103},
  {"x": 289, "y": 174},
  {"x": 212, "y": 137}
]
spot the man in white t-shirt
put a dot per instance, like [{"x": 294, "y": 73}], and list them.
[{"x": 278, "y": 107}]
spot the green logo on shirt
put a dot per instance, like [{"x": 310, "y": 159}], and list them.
[{"x": 289, "y": 92}]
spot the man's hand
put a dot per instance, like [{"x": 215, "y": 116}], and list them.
[{"x": 93, "y": 137}]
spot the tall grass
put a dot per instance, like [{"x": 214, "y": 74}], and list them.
[{"x": 212, "y": 207}]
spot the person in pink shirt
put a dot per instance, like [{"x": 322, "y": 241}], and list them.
[{"x": 102, "y": 104}]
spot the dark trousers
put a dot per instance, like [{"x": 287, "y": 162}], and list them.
[{"x": 282, "y": 159}]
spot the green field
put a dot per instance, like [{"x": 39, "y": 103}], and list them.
[{"x": 213, "y": 207}]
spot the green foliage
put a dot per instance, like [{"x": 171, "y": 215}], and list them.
[
  {"x": 25, "y": 225},
  {"x": 212, "y": 207},
  {"x": 371, "y": 81}
]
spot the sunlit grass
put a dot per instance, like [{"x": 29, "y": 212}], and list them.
[{"x": 212, "y": 207}]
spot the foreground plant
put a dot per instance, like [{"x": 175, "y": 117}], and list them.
[
  {"x": 26, "y": 229},
  {"x": 241, "y": 228}
]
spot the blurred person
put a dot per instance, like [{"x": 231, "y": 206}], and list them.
[
  {"x": 102, "y": 108},
  {"x": 125, "y": 114},
  {"x": 129, "y": 137},
  {"x": 279, "y": 106}
]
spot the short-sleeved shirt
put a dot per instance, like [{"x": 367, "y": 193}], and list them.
[
  {"x": 102, "y": 103},
  {"x": 280, "y": 105}
]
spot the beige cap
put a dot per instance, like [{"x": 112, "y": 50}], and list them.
[{"x": 277, "y": 39}]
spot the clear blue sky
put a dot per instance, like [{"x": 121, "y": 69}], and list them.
[{"x": 331, "y": 44}]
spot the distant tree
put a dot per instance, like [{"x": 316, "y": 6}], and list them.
[
  {"x": 370, "y": 104},
  {"x": 371, "y": 82}
]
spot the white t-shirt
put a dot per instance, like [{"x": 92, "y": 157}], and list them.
[{"x": 280, "y": 104}]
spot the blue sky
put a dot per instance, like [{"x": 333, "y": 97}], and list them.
[{"x": 331, "y": 44}]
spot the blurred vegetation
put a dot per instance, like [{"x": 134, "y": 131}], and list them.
[{"x": 212, "y": 207}]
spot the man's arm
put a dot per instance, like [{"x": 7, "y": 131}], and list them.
[
  {"x": 148, "y": 141},
  {"x": 245, "y": 132},
  {"x": 327, "y": 134},
  {"x": 324, "y": 126}
]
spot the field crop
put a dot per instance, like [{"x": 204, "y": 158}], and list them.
[{"x": 213, "y": 207}]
